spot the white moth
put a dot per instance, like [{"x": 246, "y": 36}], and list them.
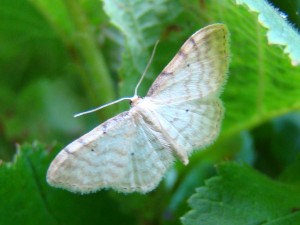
[{"x": 182, "y": 112}]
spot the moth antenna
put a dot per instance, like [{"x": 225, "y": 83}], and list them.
[
  {"x": 147, "y": 67},
  {"x": 126, "y": 98},
  {"x": 102, "y": 106}
]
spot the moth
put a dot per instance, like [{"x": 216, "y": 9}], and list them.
[{"x": 181, "y": 113}]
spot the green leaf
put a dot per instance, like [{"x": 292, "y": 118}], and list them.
[
  {"x": 277, "y": 144},
  {"x": 246, "y": 151},
  {"x": 240, "y": 195},
  {"x": 262, "y": 84},
  {"x": 41, "y": 30},
  {"x": 41, "y": 61},
  {"x": 43, "y": 120},
  {"x": 279, "y": 30},
  {"x": 291, "y": 173},
  {"x": 258, "y": 79},
  {"x": 26, "y": 198},
  {"x": 57, "y": 16},
  {"x": 31, "y": 47}
]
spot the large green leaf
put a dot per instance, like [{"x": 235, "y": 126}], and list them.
[
  {"x": 26, "y": 198},
  {"x": 280, "y": 31},
  {"x": 240, "y": 195},
  {"x": 262, "y": 83}
]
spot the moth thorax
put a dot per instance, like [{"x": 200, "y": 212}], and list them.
[{"x": 134, "y": 100}]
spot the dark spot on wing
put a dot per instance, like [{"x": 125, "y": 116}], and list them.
[
  {"x": 187, "y": 110},
  {"x": 132, "y": 153},
  {"x": 67, "y": 150},
  {"x": 81, "y": 141},
  {"x": 104, "y": 127},
  {"x": 181, "y": 53},
  {"x": 92, "y": 150},
  {"x": 113, "y": 121},
  {"x": 165, "y": 73},
  {"x": 193, "y": 41},
  {"x": 153, "y": 88}
]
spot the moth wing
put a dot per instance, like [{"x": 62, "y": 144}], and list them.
[
  {"x": 187, "y": 90},
  {"x": 123, "y": 153},
  {"x": 192, "y": 124},
  {"x": 198, "y": 70}
]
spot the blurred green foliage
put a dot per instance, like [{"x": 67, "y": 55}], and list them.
[{"x": 61, "y": 57}]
